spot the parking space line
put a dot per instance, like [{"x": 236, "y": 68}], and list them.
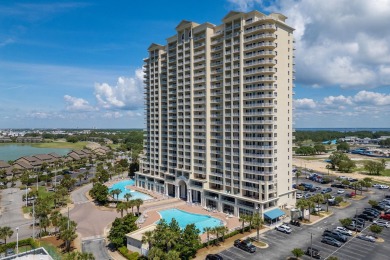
[
  {"x": 226, "y": 256},
  {"x": 235, "y": 254}
]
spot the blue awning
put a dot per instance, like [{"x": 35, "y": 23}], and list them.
[{"x": 273, "y": 214}]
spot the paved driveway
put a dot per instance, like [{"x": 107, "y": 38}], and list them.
[{"x": 12, "y": 214}]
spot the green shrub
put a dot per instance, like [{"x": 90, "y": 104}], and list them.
[
  {"x": 125, "y": 252},
  {"x": 23, "y": 242}
]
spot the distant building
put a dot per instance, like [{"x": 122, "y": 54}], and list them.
[
  {"x": 23, "y": 139},
  {"x": 4, "y": 139}
]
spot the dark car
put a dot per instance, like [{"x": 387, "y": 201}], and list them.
[
  {"x": 245, "y": 245},
  {"x": 359, "y": 221},
  {"x": 331, "y": 241},
  {"x": 380, "y": 207},
  {"x": 313, "y": 252},
  {"x": 365, "y": 217},
  {"x": 336, "y": 235},
  {"x": 374, "y": 210},
  {"x": 370, "y": 213},
  {"x": 295, "y": 223},
  {"x": 214, "y": 257}
]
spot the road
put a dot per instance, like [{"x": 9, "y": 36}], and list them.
[
  {"x": 97, "y": 247},
  {"x": 91, "y": 222}
]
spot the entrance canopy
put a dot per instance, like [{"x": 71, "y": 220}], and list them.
[{"x": 274, "y": 214}]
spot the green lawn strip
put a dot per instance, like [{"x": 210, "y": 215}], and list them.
[{"x": 53, "y": 251}]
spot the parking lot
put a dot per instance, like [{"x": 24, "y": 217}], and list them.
[{"x": 281, "y": 245}]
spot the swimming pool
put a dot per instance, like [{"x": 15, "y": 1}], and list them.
[
  {"x": 135, "y": 194},
  {"x": 184, "y": 218}
]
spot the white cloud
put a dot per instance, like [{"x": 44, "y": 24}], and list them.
[
  {"x": 305, "y": 103},
  {"x": 372, "y": 98},
  {"x": 339, "y": 100},
  {"x": 243, "y": 5},
  {"x": 338, "y": 42},
  {"x": 77, "y": 104},
  {"x": 127, "y": 94}
]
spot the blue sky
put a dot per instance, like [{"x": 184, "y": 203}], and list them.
[{"x": 78, "y": 63}]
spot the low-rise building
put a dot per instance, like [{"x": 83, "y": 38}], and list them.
[{"x": 134, "y": 240}]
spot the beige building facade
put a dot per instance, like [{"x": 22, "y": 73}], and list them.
[{"x": 218, "y": 108}]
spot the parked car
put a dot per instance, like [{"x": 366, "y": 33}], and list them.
[
  {"x": 317, "y": 209},
  {"x": 355, "y": 227},
  {"x": 344, "y": 231},
  {"x": 376, "y": 185},
  {"x": 327, "y": 190},
  {"x": 299, "y": 196},
  {"x": 365, "y": 217},
  {"x": 373, "y": 210},
  {"x": 313, "y": 252},
  {"x": 295, "y": 223},
  {"x": 284, "y": 228},
  {"x": 214, "y": 257},
  {"x": 245, "y": 245},
  {"x": 359, "y": 221},
  {"x": 307, "y": 195},
  {"x": 380, "y": 207},
  {"x": 340, "y": 191},
  {"x": 366, "y": 237},
  {"x": 383, "y": 187},
  {"x": 337, "y": 185},
  {"x": 371, "y": 213},
  {"x": 350, "y": 195},
  {"x": 331, "y": 241},
  {"x": 336, "y": 235},
  {"x": 381, "y": 223},
  {"x": 385, "y": 216}
]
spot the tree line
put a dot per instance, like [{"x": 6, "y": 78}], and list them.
[{"x": 321, "y": 136}]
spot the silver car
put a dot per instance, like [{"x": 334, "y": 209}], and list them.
[{"x": 381, "y": 223}]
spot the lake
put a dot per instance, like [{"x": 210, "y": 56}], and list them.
[{"x": 14, "y": 151}]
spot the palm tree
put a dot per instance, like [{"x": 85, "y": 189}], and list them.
[
  {"x": 55, "y": 218},
  {"x": 249, "y": 219},
  {"x": 120, "y": 207},
  {"x": 223, "y": 230},
  {"x": 302, "y": 205},
  {"x": 127, "y": 196},
  {"x": 297, "y": 174},
  {"x": 318, "y": 198},
  {"x": 148, "y": 237},
  {"x": 257, "y": 223},
  {"x": 310, "y": 205},
  {"x": 327, "y": 196},
  {"x": 215, "y": 231},
  {"x": 131, "y": 204},
  {"x": 6, "y": 232},
  {"x": 207, "y": 231},
  {"x": 243, "y": 219},
  {"x": 138, "y": 203}
]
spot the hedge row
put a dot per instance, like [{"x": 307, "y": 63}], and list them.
[
  {"x": 125, "y": 252},
  {"x": 23, "y": 242}
]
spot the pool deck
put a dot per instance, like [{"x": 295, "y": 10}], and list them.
[
  {"x": 160, "y": 202},
  {"x": 151, "y": 215}
]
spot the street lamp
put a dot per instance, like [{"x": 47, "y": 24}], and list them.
[
  {"x": 17, "y": 241},
  {"x": 311, "y": 245}
]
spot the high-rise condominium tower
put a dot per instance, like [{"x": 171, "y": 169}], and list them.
[{"x": 218, "y": 108}]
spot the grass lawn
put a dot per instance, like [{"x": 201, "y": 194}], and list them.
[
  {"x": 43, "y": 193},
  {"x": 56, "y": 144},
  {"x": 53, "y": 250}
]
